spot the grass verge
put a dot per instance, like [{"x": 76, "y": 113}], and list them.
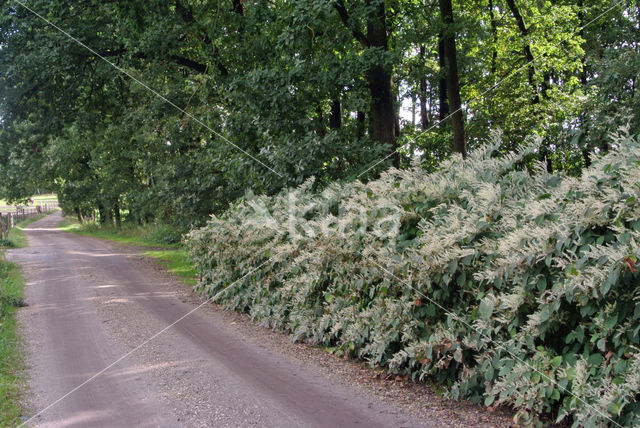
[
  {"x": 17, "y": 237},
  {"x": 12, "y": 379},
  {"x": 142, "y": 236},
  {"x": 177, "y": 262},
  {"x": 171, "y": 256}
]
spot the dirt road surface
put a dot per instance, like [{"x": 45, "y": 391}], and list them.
[{"x": 91, "y": 302}]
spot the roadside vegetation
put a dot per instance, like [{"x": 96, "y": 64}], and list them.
[
  {"x": 17, "y": 238},
  {"x": 507, "y": 286},
  {"x": 149, "y": 235},
  {"x": 12, "y": 381},
  {"x": 11, "y": 357}
]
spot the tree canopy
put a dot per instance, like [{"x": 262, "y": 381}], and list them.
[{"x": 170, "y": 111}]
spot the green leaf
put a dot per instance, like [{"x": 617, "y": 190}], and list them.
[
  {"x": 545, "y": 313},
  {"x": 611, "y": 322},
  {"x": 595, "y": 359},
  {"x": 485, "y": 309},
  {"x": 488, "y": 374},
  {"x": 489, "y": 399}
]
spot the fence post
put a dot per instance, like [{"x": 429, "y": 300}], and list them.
[{"x": 1, "y": 232}]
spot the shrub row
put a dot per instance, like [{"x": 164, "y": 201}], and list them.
[{"x": 509, "y": 286}]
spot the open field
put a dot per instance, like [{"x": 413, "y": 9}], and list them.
[{"x": 37, "y": 200}]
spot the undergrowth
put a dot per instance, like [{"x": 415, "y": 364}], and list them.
[{"x": 148, "y": 235}]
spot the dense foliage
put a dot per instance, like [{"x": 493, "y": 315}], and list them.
[
  {"x": 505, "y": 281},
  {"x": 269, "y": 94},
  {"x": 512, "y": 287}
]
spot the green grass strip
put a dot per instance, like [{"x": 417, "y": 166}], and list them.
[
  {"x": 12, "y": 375},
  {"x": 140, "y": 236},
  {"x": 17, "y": 236},
  {"x": 177, "y": 262}
]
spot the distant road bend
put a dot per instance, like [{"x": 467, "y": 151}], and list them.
[{"x": 91, "y": 301}]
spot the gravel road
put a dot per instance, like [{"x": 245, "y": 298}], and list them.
[{"x": 91, "y": 302}]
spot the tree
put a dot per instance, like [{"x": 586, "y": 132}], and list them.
[
  {"x": 308, "y": 88},
  {"x": 448, "y": 58},
  {"x": 378, "y": 72}
]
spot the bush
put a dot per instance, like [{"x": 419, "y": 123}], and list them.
[
  {"x": 508, "y": 286},
  {"x": 7, "y": 243},
  {"x": 9, "y": 295},
  {"x": 165, "y": 234}
]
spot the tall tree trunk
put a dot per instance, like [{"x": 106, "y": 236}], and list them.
[
  {"x": 453, "y": 83},
  {"x": 396, "y": 114},
  {"x": 362, "y": 123},
  {"x": 79, "y": 215},
  {"x": 524, "y": 31},
  {"x": 116, "y": 211},
  {"x": 105, "y": 214},
  {"x": 379, "y": 80},
  {"x": 443, "y": 104},
  {"x": 586, "y": 153},
  {"x": 545, "y": 152},
  {"x": 335, "y": 117},
  {"x": 413, "y": 111},
  {"x": 424, "y": 115},
  {"x": 494, "y": 35},
  {"x": 583, "y": 60},
  {"x": 382, "y": 112},
  {"x": 584, "y": 81}
]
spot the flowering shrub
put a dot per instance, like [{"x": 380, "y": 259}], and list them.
[{"x": 508, "y": 286}]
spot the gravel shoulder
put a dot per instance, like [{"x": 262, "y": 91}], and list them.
[{"x": 92, "y": 301}]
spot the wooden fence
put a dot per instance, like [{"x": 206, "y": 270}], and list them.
[{"x": 8, "y": 219}]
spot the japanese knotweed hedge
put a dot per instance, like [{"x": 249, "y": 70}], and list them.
[{"x": 510, "y": 287}]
